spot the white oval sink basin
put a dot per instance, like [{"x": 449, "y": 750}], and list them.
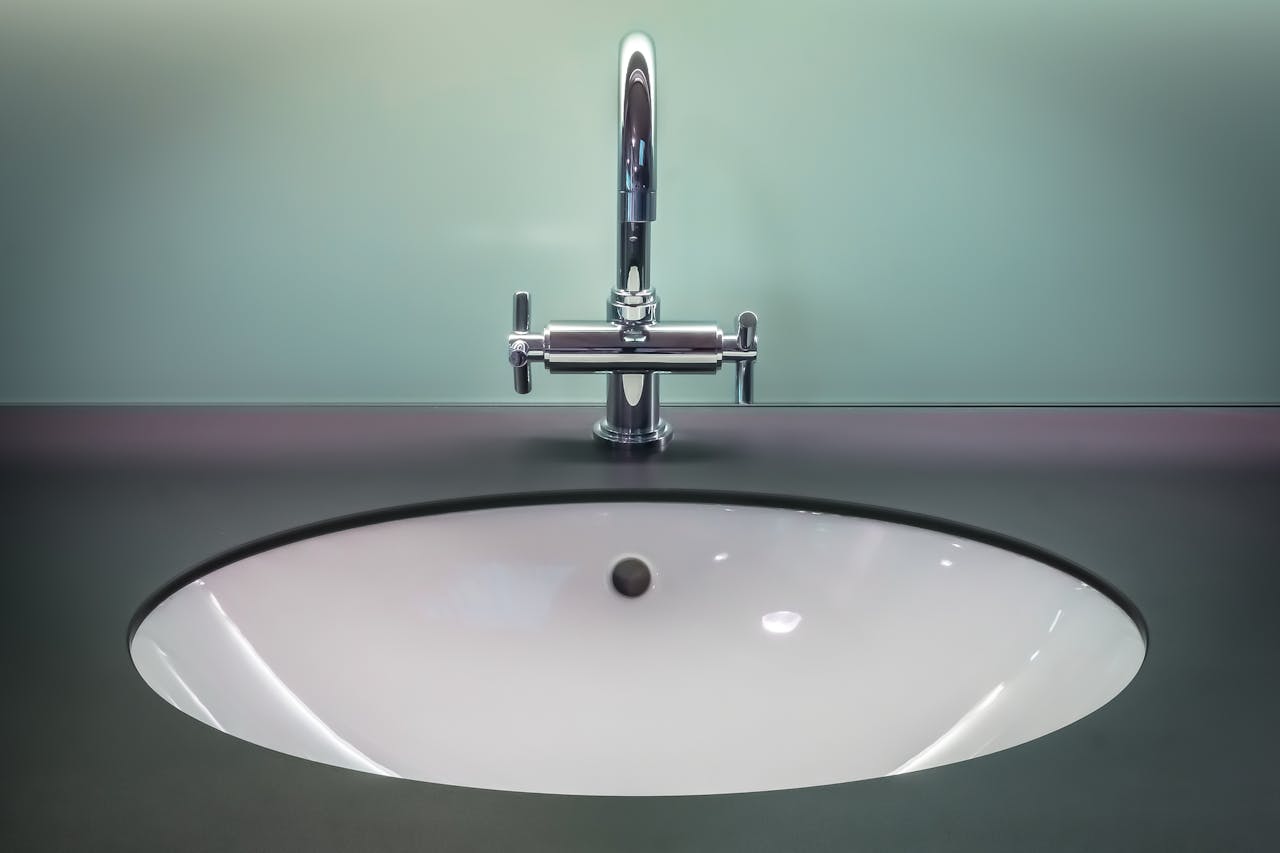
[{"x": 774, "y": 648}]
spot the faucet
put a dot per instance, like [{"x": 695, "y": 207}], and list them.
[{"x": 632, "y": 347}]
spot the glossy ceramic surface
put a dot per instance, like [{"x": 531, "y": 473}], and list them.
[{"x": 775, "y": 648}]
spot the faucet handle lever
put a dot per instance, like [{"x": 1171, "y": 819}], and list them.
[
  {"x": 518, "y": 351},
  {"x": 520, "y": 302},
  {"x": 745, "y": 388},
  {"x": 747, "y": 322}
]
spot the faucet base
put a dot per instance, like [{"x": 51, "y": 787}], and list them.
[
  {"x": 631, "y": 440},
  {"x": 632, "y": 421}
]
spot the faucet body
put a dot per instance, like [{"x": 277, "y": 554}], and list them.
[{"x": 632, "y": 347}]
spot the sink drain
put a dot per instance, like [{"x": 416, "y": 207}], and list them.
[{"x": 631, "y": 577}]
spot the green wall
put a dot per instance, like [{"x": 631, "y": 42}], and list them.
[{"x": 990, "y": 201}]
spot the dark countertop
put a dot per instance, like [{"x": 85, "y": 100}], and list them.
[{"x": 1178, "y": 508}]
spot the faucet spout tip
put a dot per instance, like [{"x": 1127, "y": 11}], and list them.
[{"x": 637, "y": 41}]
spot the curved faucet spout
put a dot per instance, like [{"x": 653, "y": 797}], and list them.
[
  {"x": 637, "y": 170},
  {"x": 633, "y": 301}
]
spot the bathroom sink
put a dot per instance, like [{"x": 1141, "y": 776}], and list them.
[{"x": 656, "y": 647}]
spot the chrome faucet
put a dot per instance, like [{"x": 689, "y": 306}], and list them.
[{"x": 632, "y": 347}]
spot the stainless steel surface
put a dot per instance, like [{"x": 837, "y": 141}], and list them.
[
  {"x": 519, "y": 350},
  {"x": 669, "y": 347},
  {"x": 632, "y": 346},
  {"x": 746, "y": 368},
  {"x": 632, "y": 420},
  {"x": 637, "y": 161}
]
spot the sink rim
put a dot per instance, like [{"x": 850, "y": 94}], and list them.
[{"x": 765, "y": 500}]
